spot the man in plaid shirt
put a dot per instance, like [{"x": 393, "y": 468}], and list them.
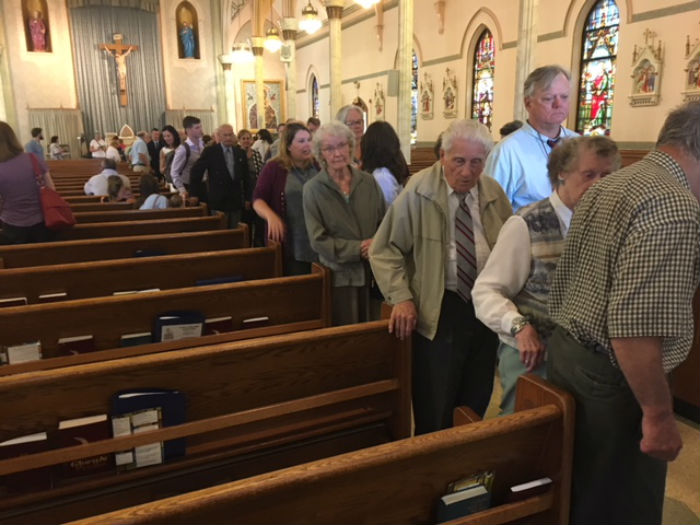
[{"x": 622, "y": 299}]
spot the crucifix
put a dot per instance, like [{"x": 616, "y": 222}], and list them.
[{"x": 119, "y": 52}]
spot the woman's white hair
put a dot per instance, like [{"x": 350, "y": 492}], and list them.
[{"x": 335, "y": 129}]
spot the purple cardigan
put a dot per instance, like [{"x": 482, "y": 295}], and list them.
[{"x": 270, "y": 187}]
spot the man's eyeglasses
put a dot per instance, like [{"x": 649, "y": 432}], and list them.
[{"x": 351, "y": 123}]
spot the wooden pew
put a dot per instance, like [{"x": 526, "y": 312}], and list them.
[
  {"x": 421, "y": 158},
  {"x": 108, "y": 215},
  {"x": 252, "y": 406},
  {"x": 290, "y": 303},
  {"x": 400, "y": 482},
  {"x": 94, "y": 230},
  {"x": 100, "y": 206},
  {"x": 61, "y": 252},
  {"x": 83, "y": 280}
]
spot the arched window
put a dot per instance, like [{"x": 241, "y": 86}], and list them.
[
  {"x": 315, "y": 103},
  {"x": 599, "y": 53},
  {"x": 482, "y": 83},
  {"x": 414, "y": 97}
]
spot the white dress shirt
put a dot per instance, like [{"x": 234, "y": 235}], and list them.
[
  {"x": 480, "y": 244},
  {"x": 507, "y": 271}
]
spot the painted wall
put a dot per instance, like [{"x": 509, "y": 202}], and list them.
[
  {"x": 189, "y": 83},
  {"x": 558, "y": 30},
  {"x": 37, "y": 80}
]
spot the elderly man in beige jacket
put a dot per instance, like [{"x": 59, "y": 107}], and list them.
[{"x": 427, "y": 252}]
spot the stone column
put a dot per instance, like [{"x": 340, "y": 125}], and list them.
[
  {"x": 527, "y": 41},
  {"x": 334, "y": 9},
  {"x": 405, "y": 72},
  {"x": 229, "y": 94},
  {"x": 289, "y": 32},
  {"x": 258, "y": 49}
]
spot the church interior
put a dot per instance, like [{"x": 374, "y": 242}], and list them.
[{"x": 77, "y": 68}]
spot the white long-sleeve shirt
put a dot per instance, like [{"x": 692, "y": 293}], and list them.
[{"x": 506, "y": 272}]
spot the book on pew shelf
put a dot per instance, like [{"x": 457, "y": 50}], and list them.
[
  {"x": 255, "y": 322},
  {"x": 30, "y": 480},
  {"x": 80, "y": 344},
  {"x": 484, "y": 478},
  {"x": 170, "y": 326},
  {"x": 13, "y": 301},
  {"x": 219, "y": 280},
  {"x": 52, "y": 297},
  {"x": 134, "y": 411},
  {"x": 149, "y": 253},
  {"x": 128, "y": 292},
  {"x": 21, "y": 353},
  {"x": 528, "y": 490},
  {"x": 136, "y": 339},
  {"x": 218, "y": 325},
  {"x": 463, "y": 502},
  {"x": 72, "y": 432}
]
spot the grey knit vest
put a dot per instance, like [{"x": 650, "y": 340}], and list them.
[{"x": 546, "y": 246}]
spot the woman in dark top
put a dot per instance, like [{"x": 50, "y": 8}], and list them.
[
  {"x": 278, "y": 197},
  {"x": 20, "y": 208}
]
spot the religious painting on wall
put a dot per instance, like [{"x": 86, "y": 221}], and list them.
[
  {"x": 646, "y": 71},
  {"x": 187, "y": 30},
  {"x": 274, "y": 105},
  {"x": 35, "y": 14},
  {"x": 482, "y": 87},
  {"x": 426, "y": 97},
  {"x": 691, "y": 91},
  {"x": 598, "y": 67},
  {"x": 379, "y": 102},
  {"x": 449, "y": 94}
]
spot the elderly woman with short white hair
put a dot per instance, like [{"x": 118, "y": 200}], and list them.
[{"x": 343, "y": 207}]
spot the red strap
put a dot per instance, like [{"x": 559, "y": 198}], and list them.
[{"x": 38, "y": 176}]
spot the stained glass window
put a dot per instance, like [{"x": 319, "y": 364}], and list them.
[
  {"x": 482, "y": 85},
  {"x": 414, "y": 98},
  {"x": 599, "y": 53},
  {"x": 315, "y": 103}
]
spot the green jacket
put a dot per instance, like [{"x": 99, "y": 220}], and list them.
[
  {"x": 337, "y": 227},
  {"x": 410, "y": 247}
]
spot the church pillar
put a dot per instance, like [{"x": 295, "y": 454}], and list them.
[
  {"x": 405, "y": 72},
  {"x": 334, "y": 9},
  {"x": 288, "y": 56},
  {"x": 229, "y": 98},
  {"x": 259, "y": 78},
  {"x": 224, "y": 94},
  {"x": 7, "y": 102},
  {"x": 527, "y": 41}
]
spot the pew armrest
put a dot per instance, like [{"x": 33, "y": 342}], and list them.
[{"x": 464, "y": 415}]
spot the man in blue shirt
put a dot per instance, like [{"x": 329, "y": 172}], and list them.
[
  {"x": 34, "y": 145},
  {"x": 138, "y": 157},
  {"x": 519, "y": 162}
]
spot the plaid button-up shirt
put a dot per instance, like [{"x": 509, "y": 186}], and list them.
[{"x": 632, "y": 260}]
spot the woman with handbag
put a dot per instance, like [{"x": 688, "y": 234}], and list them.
[{"x": 21, "y": 175}]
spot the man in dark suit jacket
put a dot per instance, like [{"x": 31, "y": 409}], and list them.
[
  {"x": 228, "y": 181},
  {"x": 154, "y": 147}
]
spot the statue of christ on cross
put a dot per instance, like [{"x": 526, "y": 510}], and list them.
[{"x": 120, "y": 51}]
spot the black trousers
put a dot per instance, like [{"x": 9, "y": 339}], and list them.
[
  {"x": 25, "y": 234},
  {"x": 456, "y": 368}
]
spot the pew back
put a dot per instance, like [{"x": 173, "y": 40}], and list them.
[
  {"x": 400, "y": 482},
  {"x": 108, "y": 215},
  {"x": 93, "y": 230},
  {"x": 61, "y": 252},
  {"x": 284, "y": 398},
  {"x": 83, "y": 280}
]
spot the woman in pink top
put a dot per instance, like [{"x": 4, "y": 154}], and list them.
[{"x": 20, "y": 208}]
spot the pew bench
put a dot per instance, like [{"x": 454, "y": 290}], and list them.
[
  {"x": 290, "y": 304},
  {"x": 94, "y": 230},
  {"x": 108, "y": 215},
  {"x": 252, "y": 406},
  {"x": 400, "y": 482},
  {"x": 62, "y": 252},
  {"x": 82, "y": 280}
]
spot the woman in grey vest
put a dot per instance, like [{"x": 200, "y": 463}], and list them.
[{"x": 510, "y": 294}]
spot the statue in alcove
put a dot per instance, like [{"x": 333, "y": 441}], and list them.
[
  {"x": 36, "y": 26},
  {"x": 187, "y": 31}
]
